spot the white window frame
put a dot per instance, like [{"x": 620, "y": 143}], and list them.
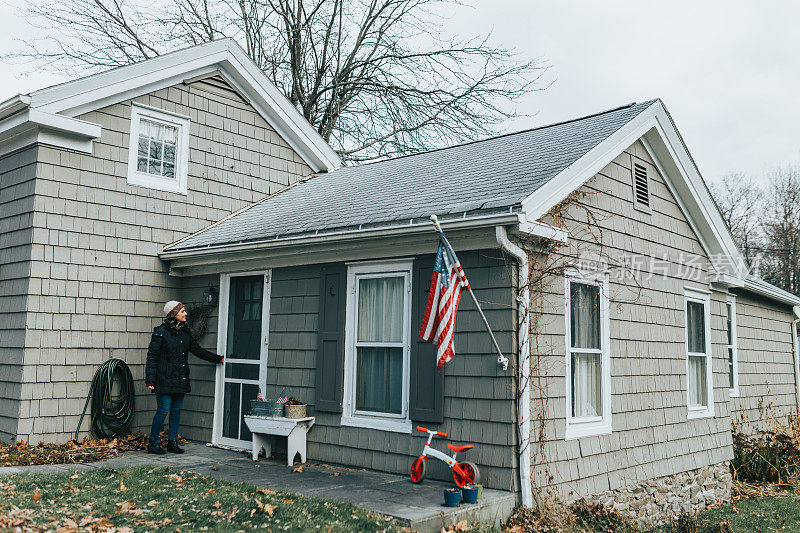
[
  {"x": 702, "y": 297},
  {"x": 730, "y": 300},
  {"x": 144, "y": 179},
  {"x": 400, "y": 423},
  {"x": 600, "y": 425}
]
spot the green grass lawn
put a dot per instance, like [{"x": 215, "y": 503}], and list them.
[
  {"x": 763, "y": 514},
  {"x": 160, "y": 499}
]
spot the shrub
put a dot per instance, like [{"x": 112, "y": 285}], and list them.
[{"x": 766, "y": 457}]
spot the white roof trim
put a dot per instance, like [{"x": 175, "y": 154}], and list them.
[
  {"x": 655, "y": 128},
  {"x": 34, "y": 126},
  {"x": 99, "y": 90}
]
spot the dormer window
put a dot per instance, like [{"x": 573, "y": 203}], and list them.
[{"x": 159, "y": 149}]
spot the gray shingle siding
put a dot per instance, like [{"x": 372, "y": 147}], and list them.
[
  {"x": 767, "y": 386},
  {"x": 454, "y": 180},
  {"x": 17, "y": 180},
  {"x": 97, "y": 286},
  {"x": 651, "y": 434}
]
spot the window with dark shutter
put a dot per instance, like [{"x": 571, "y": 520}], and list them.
[{"x": 641, "y": 189}]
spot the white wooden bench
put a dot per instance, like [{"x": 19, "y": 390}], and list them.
[{"x": 266, "y": 428}]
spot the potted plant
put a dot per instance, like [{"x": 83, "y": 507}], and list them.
[
  {"x": 295, "y": 408},
  {"x": 452, "y": 497},
  {"x": 470, "y": 493}
]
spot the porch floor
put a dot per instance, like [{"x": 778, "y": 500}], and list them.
[{"x": 418, "y": 507}]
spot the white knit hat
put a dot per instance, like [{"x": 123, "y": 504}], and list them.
[{"x": 170, "y": 305}]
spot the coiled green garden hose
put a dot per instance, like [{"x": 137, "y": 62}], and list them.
[{"x": 111, "y": 414}]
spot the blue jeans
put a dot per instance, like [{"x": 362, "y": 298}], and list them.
[{"x": 167, "y": 403}]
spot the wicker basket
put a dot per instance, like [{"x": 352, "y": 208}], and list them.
[{"x": 296, "y": 411}]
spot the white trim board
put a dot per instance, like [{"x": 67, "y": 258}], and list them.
[{"x": 76, "y": 97}]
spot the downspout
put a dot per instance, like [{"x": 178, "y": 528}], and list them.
[
  {"x": 524, "y": 399},
  {"x": 796, "y": 353}
]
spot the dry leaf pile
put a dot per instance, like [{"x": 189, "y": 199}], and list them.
[{"x": 87, "y": 450}]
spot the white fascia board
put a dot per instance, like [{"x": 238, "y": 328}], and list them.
[
  {"x": 345, "y": 235},
  {"x": 124, "y": 83},
  {"x": 545, "y": 231},
  {"x": 759, "y": 286},
  {"x": 14, "y": 105},
  {"x": 34, "y": 126},
  {"x": 283, "y": 112},
  {"x": 704, "y": 209}
]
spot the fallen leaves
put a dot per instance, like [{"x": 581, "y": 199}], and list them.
[
  {"x": 264, "y": 507},
  {"x": 22, "y": 454},
  {"x": 297, "y": 469},
  {"x": 36, "y": 496},
  {"x": 122, "y": 487},
  {"x": 14, "y": 518},
  {"x": 124, "y": 507}
]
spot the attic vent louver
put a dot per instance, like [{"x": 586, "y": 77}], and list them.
[{"x": 640, "y": 186}]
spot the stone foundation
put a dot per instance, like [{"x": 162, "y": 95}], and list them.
[{"x": 659, "y": 500}]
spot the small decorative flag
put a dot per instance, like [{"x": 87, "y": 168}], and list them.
[
  {"x": 282, "y": 397},
  {"x": 440, "y": 313}
]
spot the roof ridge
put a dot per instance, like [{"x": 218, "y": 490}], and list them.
[{"x": 544, "y": 126}]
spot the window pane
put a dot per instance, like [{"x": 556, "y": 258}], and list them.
[
  {"x": 143, "y": 144},
  {"x": 730, "y": 329},
  {"x": 379, "y": 380},
  {"x": 380, "y": 309},
  {"x": 697, "y": 381},
  {"x": 154, "y": 167},
  {"x": 585, "y": 315},
  {"x": 169, "y": 170},
  {"x": 730, "y": 367},
  {"x": 141, "y": 164},
  {"x": 155, "y": 150},
  {"x": 695, "y": 324},
  {"x": 586, "y": 384},
  {"x": 169, "y": 153}
]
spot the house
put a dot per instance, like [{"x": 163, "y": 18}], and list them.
[{"x": 636, "y": 336}]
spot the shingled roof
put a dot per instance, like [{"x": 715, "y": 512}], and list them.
[{"x": 488, "y": 176}]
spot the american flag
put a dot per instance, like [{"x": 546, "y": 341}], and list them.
[
  {"x": 440, "y": 313},
  {"x": 282, "y": 397}
]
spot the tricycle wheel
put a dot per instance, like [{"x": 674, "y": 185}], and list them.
[
  {"x": 418, "y": 468},
  {"x": 466, "y": 473}
]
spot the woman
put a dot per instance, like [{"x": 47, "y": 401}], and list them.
[{"x": 167, "y": 372}]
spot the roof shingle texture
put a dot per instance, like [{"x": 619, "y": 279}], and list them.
[{"x": 490, "y": 174}]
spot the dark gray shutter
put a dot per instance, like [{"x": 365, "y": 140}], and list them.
[
  {"x": 330, "y": 351},
  {"x": 427, "y": 383}
]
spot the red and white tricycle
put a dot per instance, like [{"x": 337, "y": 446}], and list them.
[{"x": 464, "y": 473}]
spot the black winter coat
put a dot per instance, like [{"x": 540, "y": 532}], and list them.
[{"x": 168, "y": 358}]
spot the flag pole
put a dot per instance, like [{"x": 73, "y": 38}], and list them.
[{"x": 502, "y": 359}]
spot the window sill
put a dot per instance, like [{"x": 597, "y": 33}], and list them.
[
  {"x": 699, "y": 413},
  {"x": 382, "y": 424},
  {"x": 579, "y": 430},
  {"x": 139, "y": 179}
]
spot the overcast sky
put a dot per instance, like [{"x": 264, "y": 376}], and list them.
[{"x": 728, "y": 71}]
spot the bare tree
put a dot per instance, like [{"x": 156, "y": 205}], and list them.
[
  {"x": 376, "y": 78},
  {"x": 741, "y": 202},
  {"x": 781, "y": 264}
]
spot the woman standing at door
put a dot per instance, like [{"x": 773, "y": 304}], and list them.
[{"x": 167, "y": 372}]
